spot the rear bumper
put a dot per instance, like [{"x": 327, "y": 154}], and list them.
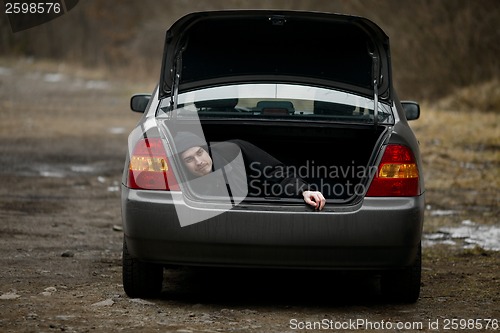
[{"x": 381, "y": 233}]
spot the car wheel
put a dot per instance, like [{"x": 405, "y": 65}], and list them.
[
  {"x": 403, "y": 285},
  {"x": 140, "y": 279}
]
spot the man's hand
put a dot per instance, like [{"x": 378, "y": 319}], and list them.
[{"x": 314, "y": 199}]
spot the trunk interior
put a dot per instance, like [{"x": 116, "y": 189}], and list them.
[{"x": 334, "y": 159}]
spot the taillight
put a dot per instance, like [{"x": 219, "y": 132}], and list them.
[
  {"x": 149, "y": 167},
  {"x": 397, "y": 174}
]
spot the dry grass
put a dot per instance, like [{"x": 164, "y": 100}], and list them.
[
  {"x": 484, "y": 97},
  {"x": 461, "y": 155}
]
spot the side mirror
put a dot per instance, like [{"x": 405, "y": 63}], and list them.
[
  {"x": 139, "y": 102},
  {"x": 412, "y": 110}
]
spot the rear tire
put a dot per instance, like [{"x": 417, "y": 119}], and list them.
[
  {"x": 403, "y": 286},
  {"x": 140, "y": 279}
]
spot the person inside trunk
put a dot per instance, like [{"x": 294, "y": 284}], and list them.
[{"x": 264, "y": 174}]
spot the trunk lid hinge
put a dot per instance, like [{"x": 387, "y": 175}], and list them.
[
  {"x": 376, "y": 82},
  {"x": 175, "y": 84}
]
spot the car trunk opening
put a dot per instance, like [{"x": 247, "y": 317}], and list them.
[{"x": 336, "y": 159}]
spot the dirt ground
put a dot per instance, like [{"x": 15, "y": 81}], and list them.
[{"x": 63, "y": 135}]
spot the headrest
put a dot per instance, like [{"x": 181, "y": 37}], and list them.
[{"x": 229, "y": 103}]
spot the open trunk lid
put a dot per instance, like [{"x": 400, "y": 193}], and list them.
[{"x": 224, "y": 47}]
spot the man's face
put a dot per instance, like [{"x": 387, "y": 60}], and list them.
[{"x": 197, "y": 161}]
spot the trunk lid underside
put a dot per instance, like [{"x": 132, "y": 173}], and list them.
[{"x": 329, "y": 50}]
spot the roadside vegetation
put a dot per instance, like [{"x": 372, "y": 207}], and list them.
[{"x": 461, "y": 155}]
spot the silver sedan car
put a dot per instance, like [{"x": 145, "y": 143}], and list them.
[{"x": 274, "y": 139}]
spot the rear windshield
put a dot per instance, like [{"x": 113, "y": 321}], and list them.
[{"x": 276, "y": 101}]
